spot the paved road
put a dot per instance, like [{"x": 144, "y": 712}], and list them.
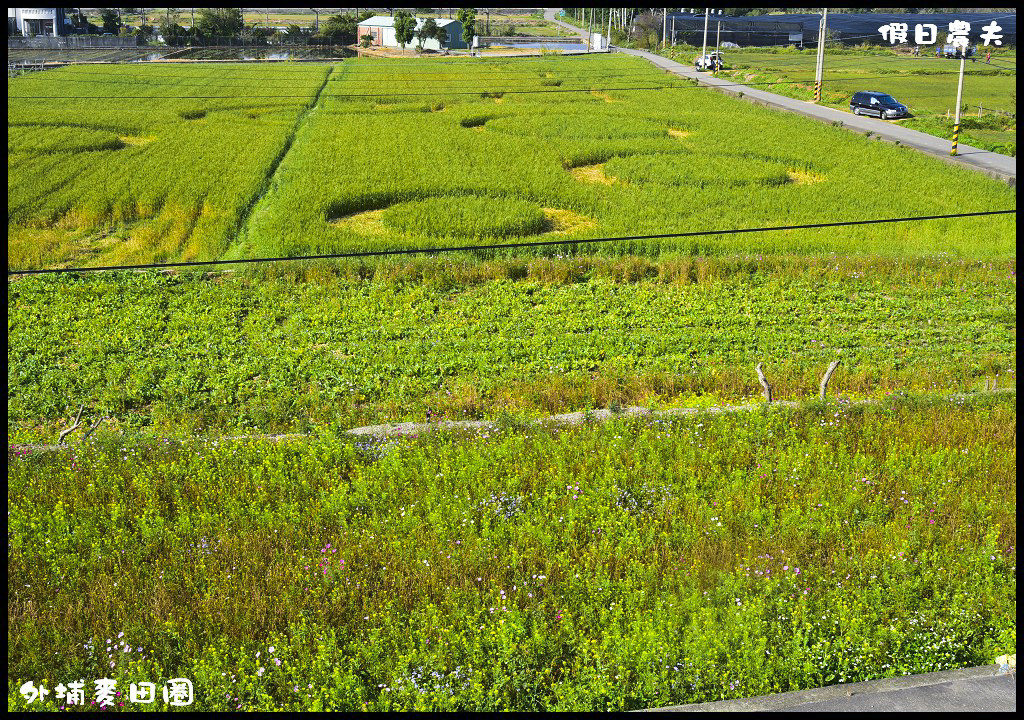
[
  {"x": 549, "y": 15},
  {"x": 990, "y": 163},
  {"x": 979, "y": 689}
]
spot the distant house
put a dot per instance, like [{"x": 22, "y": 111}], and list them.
[
  {"x": 382, "y": 29},
  {"x": 30, "y": 22}
]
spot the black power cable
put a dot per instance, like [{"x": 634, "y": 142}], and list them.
[{"x": 502, "y": 246}]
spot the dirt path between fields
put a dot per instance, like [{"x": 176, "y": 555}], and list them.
[{"x": 414, "y": 429}]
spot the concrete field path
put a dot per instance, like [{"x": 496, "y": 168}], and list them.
[{"x": 978, "y": 689}]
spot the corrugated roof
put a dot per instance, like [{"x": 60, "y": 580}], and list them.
[{"x": 389, "y": 21}]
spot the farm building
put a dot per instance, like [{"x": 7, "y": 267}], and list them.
[
  {"x": 29, "y": 22},
  {"x": 382, "y": 29}
]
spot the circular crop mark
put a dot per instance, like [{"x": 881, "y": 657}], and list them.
[
  {"x": 466, "y": 217},
  {"x": 685, "y": 169},
  {"x": 463, "y": 217},
  {"x": 582, "y": 127}
]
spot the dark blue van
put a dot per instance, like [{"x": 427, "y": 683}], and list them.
[{"x": 878, "y": 104}]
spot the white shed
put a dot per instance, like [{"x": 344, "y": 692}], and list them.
[{"x": 382, "y": 29}]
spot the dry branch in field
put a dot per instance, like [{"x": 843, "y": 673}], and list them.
[
  {"x": 828, "y": 376},
  {"x": 764, "y": 383}
]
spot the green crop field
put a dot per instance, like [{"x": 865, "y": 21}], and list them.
[
  {"x": 334, "y": 157},
  {"x": 926, "y": 85},
  {"x": 274, "y": 354},
  {"x": 102, "y": 164},
  {"x": 212, "y": 520}
]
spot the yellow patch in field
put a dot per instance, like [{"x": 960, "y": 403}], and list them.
[
  {"x": 604, "y": 96},
  {"x": 804, "y": 177},
  {"x": 677, "y": 133},
  {"x": 592, "y": 174},
  {"x": 497, "y": 101},
  {"x": 136, "y": 139},
  {"x": 478, "y": 128},
  {"x": 564, "y": 222},
  {"x": 364, "y": 223}
]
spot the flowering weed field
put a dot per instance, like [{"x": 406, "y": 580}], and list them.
[{"x": 628, "y": 565}]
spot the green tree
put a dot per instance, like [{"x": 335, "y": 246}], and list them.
[
  {"x": 467, "y": 16},
  {"x": 111, "y": 20},
  {"x": 405, "y": 27},
  {"x": 173, "y": 33},
  {"x": 220, "y": 22},
  {"x": 441, "y": 35},
  {"x": 340, "y": 29},
  {"x": 428, "y": 31},
  {"x": 366, "y": 40}
]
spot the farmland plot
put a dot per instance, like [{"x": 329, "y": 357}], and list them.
[
  {"x": 639, "y": 563},
  {"x": 436, "y": 340},
  {"x": 619, "y": 162},
  {"x": 423, "y": 153},
  {"x": 115, "y": 164}
]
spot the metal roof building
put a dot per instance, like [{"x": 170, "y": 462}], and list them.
[
  {"x": 686, "y": 28},
  {"x": 382, "y": 29}
]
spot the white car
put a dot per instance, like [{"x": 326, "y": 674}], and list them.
[{"x": 704, "y": 61}]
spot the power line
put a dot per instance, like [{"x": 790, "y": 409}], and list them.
[{"x": 503, "y": 246}]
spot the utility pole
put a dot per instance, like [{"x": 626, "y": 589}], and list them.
[
  {"x": 959, "y": 98},
  {"x": 664, "y": 27},
  {"x": 704, "y": 53},
  {"x": 608, "y": 41},
  {"x": 820, "y": 65},
  {"x": 590, "y": 32},
  {"x": 718, "y": 48},
  {"x": 673, "y": 30}
]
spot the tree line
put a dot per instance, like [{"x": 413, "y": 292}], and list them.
[{"x": 207, "y": 25}]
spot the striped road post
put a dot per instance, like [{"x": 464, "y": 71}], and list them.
[
  {"x": 959, "y": 99},
  {"x": 817, "y": 91}
]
